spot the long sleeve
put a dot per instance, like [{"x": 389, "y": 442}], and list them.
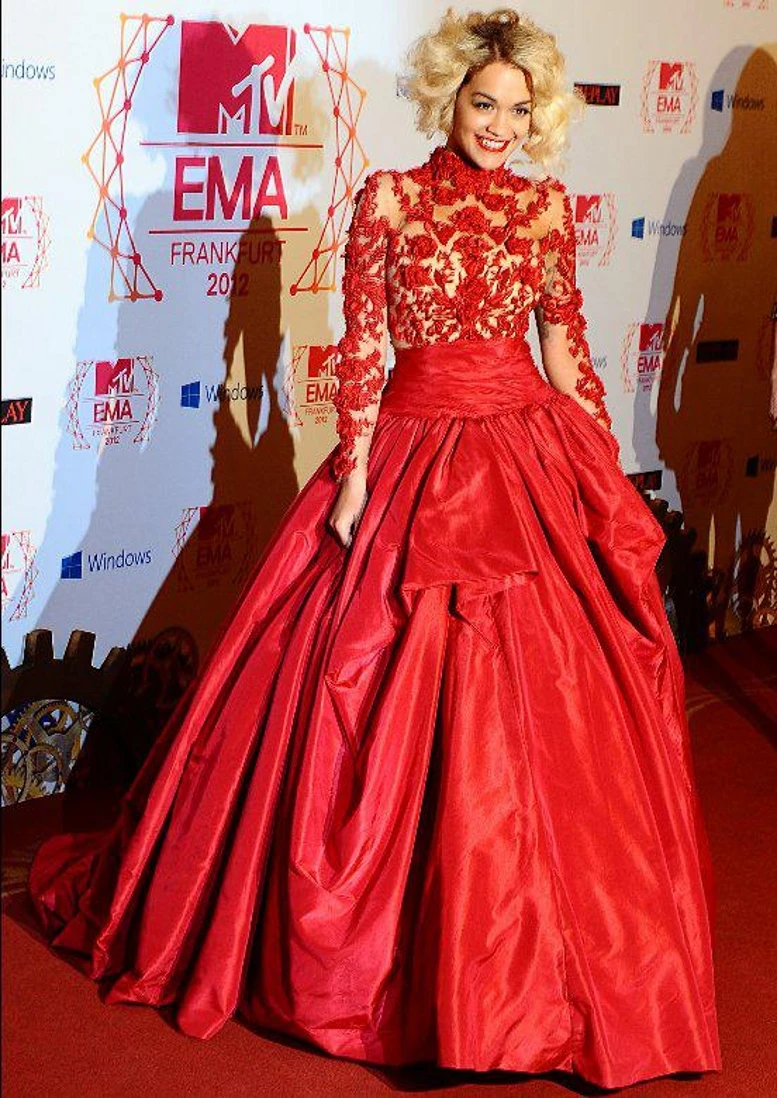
[
  {"x": 565, "y": 352},
  {"x": 360, "y": 365}
]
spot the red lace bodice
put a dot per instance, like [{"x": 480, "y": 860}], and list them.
[{"x": 448, "y": 252}]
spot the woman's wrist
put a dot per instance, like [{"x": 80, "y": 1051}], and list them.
[{"x": 357, "y": 478}]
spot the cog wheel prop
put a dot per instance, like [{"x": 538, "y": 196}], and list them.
[
  {"x": 753, "y": 581},
  {"x": 351, "y": 163},
  {"x": 40, "y": 744},
  {"x": 104, "y": 159},
  {"x": 48, "y": 706}
]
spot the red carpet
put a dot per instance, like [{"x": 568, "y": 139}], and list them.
[{"x": 58, "y": 1038}]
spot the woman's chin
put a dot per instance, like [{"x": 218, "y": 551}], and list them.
[{"x": 484, "y": 159}]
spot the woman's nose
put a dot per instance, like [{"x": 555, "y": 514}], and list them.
[{"x": 498, "y": 125}]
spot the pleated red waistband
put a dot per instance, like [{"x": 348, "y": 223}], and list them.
[{"x": 465, "y": 378}]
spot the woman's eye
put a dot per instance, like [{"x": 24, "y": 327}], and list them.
[{"x": 482, "y": 106}]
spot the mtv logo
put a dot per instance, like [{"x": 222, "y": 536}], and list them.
[
  {"x": 191, "y": 395},
  {"x": 114, "y": 378},
  {"x": 729, "y": 208},
  {"x": 638, "y": 228},
  {"x": 588, "y": 207},
  {"x": 72, "y": 567},
  {"x": 11, "y": 216},
  {"x": 670, "y": 77},
  {"x": 716, "y": 101},
  {"x": 321, "y": 361},
  {"x": 233, "y": 82},
  {"x": 216, "y": 523},
  {"x": 651, "y": 338}
]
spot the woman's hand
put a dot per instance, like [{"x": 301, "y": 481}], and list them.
[{"x": 349, "y": 505}]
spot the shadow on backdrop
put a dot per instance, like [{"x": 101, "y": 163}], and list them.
[
  {"x": 220, "y": 536},
  {"x": 252, "y": 336},
  {"x": 712, "y": 428}
]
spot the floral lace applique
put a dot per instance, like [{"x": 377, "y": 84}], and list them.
[
  {"x": 360, "y": 367},
  {"x": 448, "y": 252},
  {"x": 561, "y": 303},
  {"x": 464, "y": 262}
]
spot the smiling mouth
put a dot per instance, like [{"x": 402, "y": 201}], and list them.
[{"x": 491, "y": 145}]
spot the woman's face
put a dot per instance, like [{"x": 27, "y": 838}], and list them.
[{"x": 492, "y": 115}]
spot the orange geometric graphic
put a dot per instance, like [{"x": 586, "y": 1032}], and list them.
[
  {"x": 104, "y": 159},
  {"x": 331, "y": 45}
]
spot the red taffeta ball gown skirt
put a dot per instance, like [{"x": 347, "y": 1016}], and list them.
[{"x": 431, "y": 798}]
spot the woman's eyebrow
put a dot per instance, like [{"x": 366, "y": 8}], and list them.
[{"x": 485, "y": 95}]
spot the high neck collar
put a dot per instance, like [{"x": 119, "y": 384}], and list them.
[{"x": 448, "y": 167}]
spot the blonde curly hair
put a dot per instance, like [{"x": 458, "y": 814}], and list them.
[{"x": 445, "y": 59}]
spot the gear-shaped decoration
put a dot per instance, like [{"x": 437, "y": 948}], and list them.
[
  {"x": 753, "y": 581},
  {"x": 48, "y": 706}
]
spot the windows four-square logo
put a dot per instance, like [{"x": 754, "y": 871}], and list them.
[
  {"x": 72, "y": 567},
  {"x": 717, "y": 100},
  {"x": 638, "y": 228},
  {"x": 190, "y": 395}
]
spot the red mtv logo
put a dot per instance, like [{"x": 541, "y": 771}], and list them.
[
  {"x": 670, "y": 77},
  {"x": 114, "y": 378},
  {"x": 321, "y": 361},
  {"x": 651, "y": 338},
  {"x": 588, "y": 207},
  {"x": 236, "y": 83},
  {"x": 12, "y": 216},
  {"x": 216, "y": 523},
  {"x": 729, "y": 208}
]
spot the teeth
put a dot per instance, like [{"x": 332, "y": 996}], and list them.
[{"x": 492, "y": 144}]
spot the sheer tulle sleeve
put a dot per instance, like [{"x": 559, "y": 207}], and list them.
[
  {"x": 565, "y": 352},
  {"x": 361, "y": 359}
]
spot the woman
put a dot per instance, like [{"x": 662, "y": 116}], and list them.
[{"x": 432, "y": 797}]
